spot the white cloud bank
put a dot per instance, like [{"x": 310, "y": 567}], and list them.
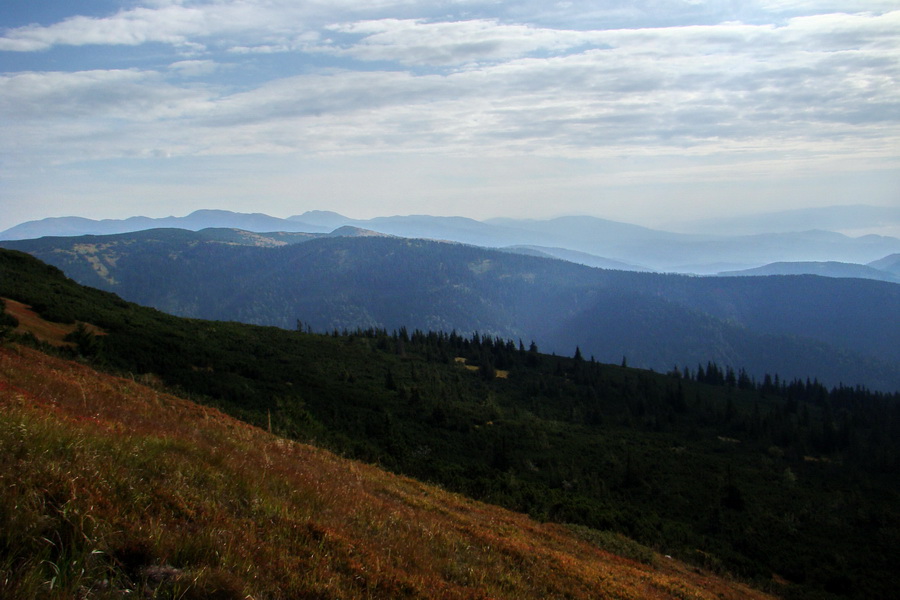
[{"x": 817, "y": 90}]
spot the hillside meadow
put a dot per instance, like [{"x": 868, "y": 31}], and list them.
[{"x": 112, "y": 489}]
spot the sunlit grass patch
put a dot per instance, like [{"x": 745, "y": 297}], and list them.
[{"x": 46, "y": 331}]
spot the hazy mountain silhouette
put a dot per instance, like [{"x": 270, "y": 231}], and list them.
[
  {"x": 197, "y": 220},
  {"x": 825, "y": 269},
  {"x": 606, "y": 240},
  {"x": 890, "y": 264}
]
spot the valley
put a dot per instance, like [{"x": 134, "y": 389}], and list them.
[{"x": 800, "y": 326}]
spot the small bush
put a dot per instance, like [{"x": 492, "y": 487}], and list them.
[{"x": 616, "y": 543}]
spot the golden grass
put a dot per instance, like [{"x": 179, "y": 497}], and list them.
[
  {"x": 46, "y": 331},
  {"x": 499, "y": 374},
  {"x": 135, "y": 489}
]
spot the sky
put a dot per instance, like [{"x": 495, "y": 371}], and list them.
[{"x": 645, "y": 111}]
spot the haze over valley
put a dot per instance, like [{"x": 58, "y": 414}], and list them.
[
  {"x": 527, "y": 280},
  {"x": 586, "y": 240}
]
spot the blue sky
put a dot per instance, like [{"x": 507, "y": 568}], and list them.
[{"x": 635, "y": 110}]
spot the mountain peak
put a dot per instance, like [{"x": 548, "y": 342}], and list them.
[
  {"x": 351, "y": 231},
  {"x": 322, "y": 218}
]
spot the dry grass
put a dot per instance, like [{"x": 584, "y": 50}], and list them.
[
  {"x": 46, "y": 331},
  {"x": 499, "y": 374},
  {"x": 107, "y": 485}
]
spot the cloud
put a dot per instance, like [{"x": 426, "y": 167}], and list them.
[
  {"x": 171, "y": 24},
  {"x": 195, "y": 68},
  {"x": 823, "y": 6},
  {"x": 813, "y": 84},
  {"x": 183, "y": 22},
  {"x": 415, "y": 42},
  {"x": 231, "y": 22},
  {"x": 127, "y": 94}
]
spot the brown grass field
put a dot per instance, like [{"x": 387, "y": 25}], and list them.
[
  {"x": 46, "y": 331},
  {"x": 111, "y": 489}
]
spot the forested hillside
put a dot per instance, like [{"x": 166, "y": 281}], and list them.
[
  {"x": 834, "y": 330},
  {"x": 785, "y": 482}
]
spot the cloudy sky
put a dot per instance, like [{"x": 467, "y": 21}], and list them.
[{"x": 645, "y": 111}]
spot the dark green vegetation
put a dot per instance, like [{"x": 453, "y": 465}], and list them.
[
  {"x": 835, "y": 330},
  {"x": 761, "y": 479}
]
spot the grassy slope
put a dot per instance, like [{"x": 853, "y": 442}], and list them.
[
  {"x": 108, "y": 485},
  {"x": 46, "y": 331}
]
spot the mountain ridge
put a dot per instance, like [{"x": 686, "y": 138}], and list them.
[
  {"x": 622, "y": 242},
  {"x": 888, "y": 263},
  {"x": 825, "y": 269},
  {"x": 655, "y": 320}
]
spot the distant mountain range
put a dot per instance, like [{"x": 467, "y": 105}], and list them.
[
  {"x": 197, "y": 220},
  {"x": 825, "y": 269},
  {"x": 891, "y": 264},
  {"x": 837, "y": 330},
  {"x": 585, "y": 240}
]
